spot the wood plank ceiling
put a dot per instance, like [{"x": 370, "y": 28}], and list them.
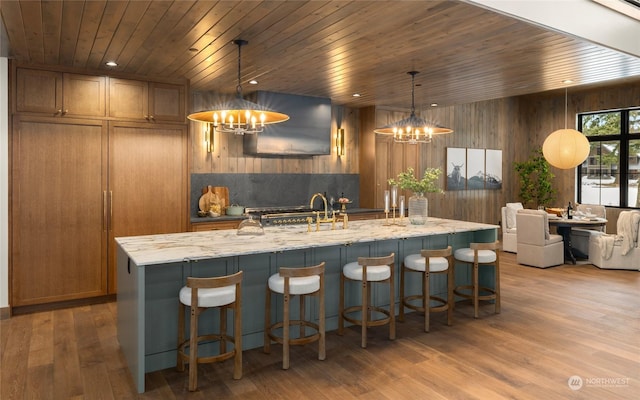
[{"x": 319, "y": 48}]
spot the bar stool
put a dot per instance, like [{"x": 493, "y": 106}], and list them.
[
  {"x": 365, "y": 270},
  {"x": 428, "y": 262},
  {"x": 199, "y": 295},
  {"x": 480, "y": 255},
  {"x": 306, "y": 281}
]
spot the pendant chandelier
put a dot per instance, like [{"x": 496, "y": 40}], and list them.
[
  {"x": 566, "y": 148},
  {"x": 414, "y": 129},
  {"x": 239, "y": 116}
]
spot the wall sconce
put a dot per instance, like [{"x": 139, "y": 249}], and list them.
[
  {"x": 208, "y": 137},
  {"x": 340, "y": 142}
]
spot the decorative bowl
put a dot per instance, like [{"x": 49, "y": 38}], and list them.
[{"x": 235, "y": 210}]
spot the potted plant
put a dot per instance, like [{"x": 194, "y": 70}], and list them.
[
  {"x": 418, "y": 204},
  {"x": 536, "y": 189}
]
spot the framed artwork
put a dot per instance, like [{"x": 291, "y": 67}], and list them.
[
  {"x": 493, "y": 170},
  {"x": 475, "y": 169},
  {"x": 456, "y": 170}
]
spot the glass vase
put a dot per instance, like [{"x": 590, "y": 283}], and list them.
[{"x": 418, "y": 209}]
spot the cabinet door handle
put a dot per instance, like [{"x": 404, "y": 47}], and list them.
[
  {"x": 58, "y": 111},
  {"x": 104, "y": 210},
  {"x": 111, "y": 208},
  {"x": 146, "y": 117},
  {"x": 151, "y": 117},
  {"x": 65, "y": 112}
]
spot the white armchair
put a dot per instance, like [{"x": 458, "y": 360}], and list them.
[
  {"x": 619, "y": 251},
  {"x": 536, "y": 246},
  {"x": 509, "y": 223}
]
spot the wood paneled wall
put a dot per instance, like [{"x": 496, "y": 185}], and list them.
[
  {"x": 543, "y": 113},
  {"x": 482, "y": 125},
  {"x": 228, "y": 156},
  {"x": 514, "y": 125}
]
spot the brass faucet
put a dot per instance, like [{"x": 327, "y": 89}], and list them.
[
  {"x": 324, "y": 201},
  {"x": 319, "y": 219}
]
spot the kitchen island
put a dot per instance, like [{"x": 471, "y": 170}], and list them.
[{"x": 152, "y": 269}]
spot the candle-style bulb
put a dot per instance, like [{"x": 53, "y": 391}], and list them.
[{"x": 386, "y": 201}]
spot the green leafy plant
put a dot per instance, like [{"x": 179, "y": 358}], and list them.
[
  {"x": 536, "y": 180},
  {"x": 408, "y": 181}
]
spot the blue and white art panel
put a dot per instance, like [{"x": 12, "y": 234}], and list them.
[
  {"x": 475, "y": 169},
  {"x": 493, "y": 169},
  {"x": 456, "y": 171}
]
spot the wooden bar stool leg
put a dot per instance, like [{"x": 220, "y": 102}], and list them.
[
  {"x": 223, "y": 329},
  {"x": 267, "y": 321},
  {"x": 392, "y": 307},
  {"x": 193, "y": 350},
  {"x": 285, "y": 332},
  {"x": 321, "y": 325},
  {"x": 302, "y": 315},
  {"x": 450, "y": 298},
  {"x": 475, "y": 289},
  {"x": 402, "y": 272},
  {"x": 365, "y": 314},
  {"x": 341, "y": 307},
  {"x": 180, "y": 361},
  {"x": 497, "y": 287},
  {"x": 453, "y": 282},
  {"x": 426, "y": 294},
  {"x": 237, "y": 331}
]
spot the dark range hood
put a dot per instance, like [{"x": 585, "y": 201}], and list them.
[{"x": 306, "y": 133}]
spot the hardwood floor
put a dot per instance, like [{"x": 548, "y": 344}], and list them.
[{"x": 555, "y": 323}]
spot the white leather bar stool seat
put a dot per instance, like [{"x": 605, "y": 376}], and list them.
[
  {"x": 467, "y": 255},
  {"x": 215, "y": 297},
  {"x": 375, "y": 273},
  {"x": 301, "y": 285},
  {"x": 417, "y": 263}
]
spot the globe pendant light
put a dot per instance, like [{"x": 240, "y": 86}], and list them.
[
  {"x": 239, "y": 116},
  {"x": 566, "y": 148},
  {"x": 412, "y": 130}
]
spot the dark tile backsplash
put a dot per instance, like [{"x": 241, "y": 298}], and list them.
[{"x": 272, "y": 190}]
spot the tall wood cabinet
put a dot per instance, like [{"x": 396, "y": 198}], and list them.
[
  {"x": 77, "y": 183},
  {"x": 148, "y": 172},
  {"x": 58, "y": 230}
]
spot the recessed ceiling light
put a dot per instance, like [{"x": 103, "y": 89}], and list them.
[
  {"x": 193, "y": 50},
  {"x": 567, "y": 81},
  {"x": 111, "y": 64},
  {"x": 253, "y": 82},
  {"x": 356, "y": 95},
  {"x": 434, "y": 104}
]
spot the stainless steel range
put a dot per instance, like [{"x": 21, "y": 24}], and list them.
[{"x": 282, "y": 215}]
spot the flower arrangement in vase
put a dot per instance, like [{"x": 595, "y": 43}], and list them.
[
  {"x": 418, "y": 204},
  {"x": 343, "y": 203}
]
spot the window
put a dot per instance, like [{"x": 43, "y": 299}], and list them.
[{"x": 610, "y": 175}]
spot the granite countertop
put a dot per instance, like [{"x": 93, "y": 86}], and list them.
[{"x": 176, "y": 247}]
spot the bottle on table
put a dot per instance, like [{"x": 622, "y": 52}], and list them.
[{"x": 569, "y": 211}]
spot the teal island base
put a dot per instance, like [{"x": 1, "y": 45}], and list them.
[{"x": 152, "y": 269}]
